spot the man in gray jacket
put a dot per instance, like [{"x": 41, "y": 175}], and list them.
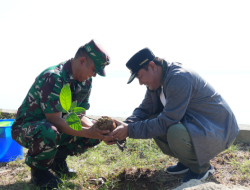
[{"x": 186, "y": 117}]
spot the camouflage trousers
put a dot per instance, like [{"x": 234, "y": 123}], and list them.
[{"x": 42, "y": 139}]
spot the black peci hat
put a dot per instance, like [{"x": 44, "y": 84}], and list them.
[{"x": 138, "y": 60}]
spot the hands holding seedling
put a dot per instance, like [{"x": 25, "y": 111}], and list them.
[
  {"x": 121, "y": 131},
  {"x": 73, "y": 120},
  {"x": 109, "y": 130},
  {"x": 95, "y": 133}
]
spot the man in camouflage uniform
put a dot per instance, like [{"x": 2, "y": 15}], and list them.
[{"x": 40, "y": 127}]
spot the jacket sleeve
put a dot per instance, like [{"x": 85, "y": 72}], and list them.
[
  {"x": 143, "y": 111},
  {"x": 178, "y": 93}
]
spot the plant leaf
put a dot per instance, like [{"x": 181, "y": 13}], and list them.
[
  {"x": 73, "y": 105},
  {"x": 60, "y": 108},
  {"x": 76, "y": 126},
  {"x": 73, "y": 121},
  {"x": 78, "y": 110},
  {"x": 72, "y": 117},
  {"x": 65, "y": 97}
]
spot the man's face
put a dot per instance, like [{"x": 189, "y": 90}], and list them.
[
  {"x": 85, "y": 70},
  {"x": 148, "y": 78}
]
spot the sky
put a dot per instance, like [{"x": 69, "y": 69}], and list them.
[{"x": 212, "y": 37}]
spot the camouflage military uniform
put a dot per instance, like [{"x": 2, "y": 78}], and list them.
[{"x": 31, "y": 129}]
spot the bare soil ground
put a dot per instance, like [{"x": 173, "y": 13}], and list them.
[{"x": 225, "y": 173}]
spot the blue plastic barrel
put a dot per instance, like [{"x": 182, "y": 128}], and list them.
[{"x": 10, "y": 150}]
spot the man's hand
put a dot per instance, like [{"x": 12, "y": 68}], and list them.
[
  {"x": 96, "y": 133},
  {"x": 120, "y": 132},
  {"x": 87, "y": 132},
  {"x": 85, "y": 121}
]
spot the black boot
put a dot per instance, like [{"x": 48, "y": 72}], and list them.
[
  {"x": 44, "y": 179},
  {"x": 59, "y": 166}
]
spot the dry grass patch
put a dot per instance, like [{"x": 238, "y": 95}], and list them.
[{"x": 233, "y": 165}]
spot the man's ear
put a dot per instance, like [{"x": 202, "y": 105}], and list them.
[
  {"x": 83, "y": 60},
  {"x": 153, "y": 66}
]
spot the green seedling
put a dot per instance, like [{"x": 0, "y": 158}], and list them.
[{"x": 66, "y": 106}]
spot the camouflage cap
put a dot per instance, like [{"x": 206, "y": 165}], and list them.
[{"x": 98, "y": 55}]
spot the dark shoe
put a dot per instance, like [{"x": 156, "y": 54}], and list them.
[
  {"x": 62, "y": 170},
  {"x": 44, "y": 179},
  {"x": 59, "y": 166},
  {"x": 179, "y": 168},
  {"x": 191, "y": 175}
]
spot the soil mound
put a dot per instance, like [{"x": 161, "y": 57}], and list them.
[{"x": 105, "y": 123}]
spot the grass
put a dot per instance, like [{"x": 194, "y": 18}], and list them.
[
  {"x": 140, "y": 166},
  {"x": 234, "y": 164},
  {"x": 109, "y": 162},
  {"x": 103, "y": 161}
]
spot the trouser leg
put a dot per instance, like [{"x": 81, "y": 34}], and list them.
[
  {"x": 182, "y": 147},
  {"x": 42, "y": 139},
  {"x": 162, "y": 143},
  {"x": 177, "y": 143},
  {"x": 77, "y": 145}
]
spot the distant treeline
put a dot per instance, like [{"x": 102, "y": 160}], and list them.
[{"x": 5, "y": 115}]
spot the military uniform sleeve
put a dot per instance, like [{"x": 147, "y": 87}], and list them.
[
  {"x": 178, "y": 94},
  {"x": 49, "y": 87},
  {"x": 143, "y": 111}
]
